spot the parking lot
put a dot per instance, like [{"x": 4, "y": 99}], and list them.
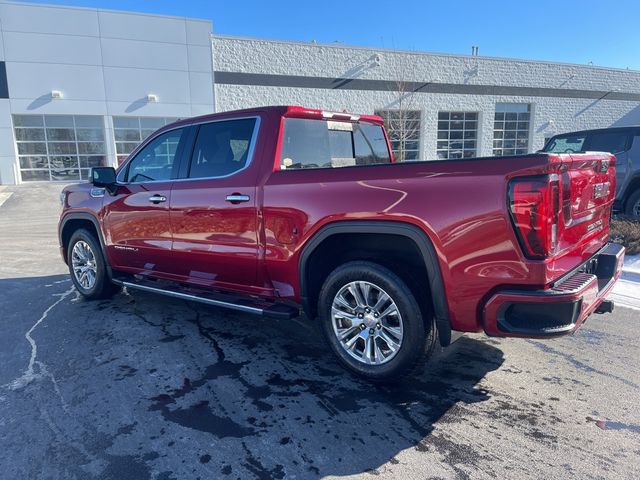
[{"x": 149, "y": 387}]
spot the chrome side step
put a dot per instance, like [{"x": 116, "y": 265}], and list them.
[{"x": 272, "y": 310}]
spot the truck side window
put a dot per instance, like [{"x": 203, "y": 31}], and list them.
[
  {"x": 613, "y": 142},
  {"x": 155, "y": 162},
  {"x": 222, "y": 148},
  {"x": 308, "y": 143}
]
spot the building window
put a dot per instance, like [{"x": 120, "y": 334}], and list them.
[
  {"x": 403, "y": 129},
  {"x": 457, "y": 135},
  {"x": 511, "y": 129},
  {"x": 58, "y": 147},
  {"x": 130, "y": 131}
]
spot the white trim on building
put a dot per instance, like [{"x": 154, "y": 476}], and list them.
[{"x": 81, "y": 61}]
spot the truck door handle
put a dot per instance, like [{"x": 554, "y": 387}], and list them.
[
  {"x": 157, "y": 198},
  {"x": 237, "y": 198}
]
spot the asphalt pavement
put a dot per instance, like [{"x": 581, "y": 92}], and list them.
[{"x": 143, "y": 386}]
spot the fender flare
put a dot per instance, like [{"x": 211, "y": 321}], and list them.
[
  {"x": 419, "y": 237},
  {"x": 85, "y": 216}
]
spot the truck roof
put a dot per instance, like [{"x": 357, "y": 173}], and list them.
[
  {"x": 294, "y": 111},
  {"x": 599, "y": 130}
]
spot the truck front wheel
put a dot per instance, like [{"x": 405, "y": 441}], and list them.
[
  {"x": 373, "y": 323},
  {"x": 633, "y": 204},
  {"x": 88, "y": 267}
]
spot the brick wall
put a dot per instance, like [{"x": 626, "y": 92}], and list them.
[{"x": 552, "y": 114}]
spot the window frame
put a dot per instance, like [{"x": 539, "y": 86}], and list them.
[
  {"x": 184, "y": 142},
  {"x": 448, "y": 149},
  {"x": 139, "y": 129},
  {"x": 76, "y": 124},
  {"x": 185, "y": 169},
  {"x": 505, "y": 108},
  {"x": 404, "y": 115},
  {"x": 588, "y": 134},
  {"x": 627, "y": 142},
  {"x": 278, "y": 162}
]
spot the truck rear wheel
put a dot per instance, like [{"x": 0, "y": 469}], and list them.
[
  {"x": 88, "y": 267},
  {"x": 373, "y": 323}
]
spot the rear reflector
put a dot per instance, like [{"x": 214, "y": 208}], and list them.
[{"x": 534, "y": 205}]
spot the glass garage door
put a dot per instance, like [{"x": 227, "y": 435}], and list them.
[
  {"x": 58, "y": 147},
  {"x": 130, "y": 131}
]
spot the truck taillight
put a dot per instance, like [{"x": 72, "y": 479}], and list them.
[{"x": 534, "y": 205}]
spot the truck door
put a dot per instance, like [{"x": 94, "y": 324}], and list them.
[
  {"x": 137, "y": 218},
  {"x": 214, "y": 209}
]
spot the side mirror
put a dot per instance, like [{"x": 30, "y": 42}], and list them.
[{"x": 104, "y": 177}]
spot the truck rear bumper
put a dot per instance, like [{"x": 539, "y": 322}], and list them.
[{"x": 558, "y": 310}]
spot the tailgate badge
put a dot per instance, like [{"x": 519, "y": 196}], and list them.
[
  {"x": 601, "y": 190},
  {"x": 604, "y": 165}
]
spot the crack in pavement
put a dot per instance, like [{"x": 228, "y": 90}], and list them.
[{"x": 30, "y": 373}]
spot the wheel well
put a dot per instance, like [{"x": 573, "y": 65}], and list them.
[
  {"x": 398, "y": 253},
  {"x": 73, "y": 225},
  {"x": 631, "y": 188}
]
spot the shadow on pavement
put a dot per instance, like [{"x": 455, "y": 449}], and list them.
[{"x": 157, "y": 388}]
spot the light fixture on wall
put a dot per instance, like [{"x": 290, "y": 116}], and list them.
[
  {"x": 56, "y": 94},
  {"x": 152, "y": 98}
]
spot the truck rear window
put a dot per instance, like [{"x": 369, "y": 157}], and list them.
[{"x": 310, "y": 143}]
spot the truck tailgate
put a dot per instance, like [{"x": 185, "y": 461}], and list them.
[{"x": 587, "y": 191}]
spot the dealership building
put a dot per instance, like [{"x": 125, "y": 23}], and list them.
[{"x": 82, "y": 87}]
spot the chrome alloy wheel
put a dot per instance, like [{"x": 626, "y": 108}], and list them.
[
  {"x": 367, "y": 323},
  {"x": 83, "y": 262},
  {"x": 635, "y": 211}
]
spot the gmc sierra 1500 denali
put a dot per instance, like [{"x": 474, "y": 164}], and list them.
[{"x": 272, "y": 209}]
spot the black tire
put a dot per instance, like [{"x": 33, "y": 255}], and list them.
[
  {"x": 632, "y": 207},
  {"x": 419, "y": 337},
  {"x": 102, "y": 287}
]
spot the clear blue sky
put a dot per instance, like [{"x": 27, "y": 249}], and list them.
[{"x": 606, "y": 33}]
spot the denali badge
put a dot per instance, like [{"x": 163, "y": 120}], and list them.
[{"x": 122, "y": 247}]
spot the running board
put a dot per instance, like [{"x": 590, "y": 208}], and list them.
[{"x": 280, "y": 311}]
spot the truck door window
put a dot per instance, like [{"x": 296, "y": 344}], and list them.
[
  {"x": 222, "y": 148},
  {"x": 310, "y": 143},
  {"x": 611, "y": 142},
  {"x": 156, "y": 161}
]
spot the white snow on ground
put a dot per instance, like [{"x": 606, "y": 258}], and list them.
[
  {"x": 626, "y": 293},
  {"x": 4, "y": 196}
]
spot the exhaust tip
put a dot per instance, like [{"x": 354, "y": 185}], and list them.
[{"x": 605, "y": 307}]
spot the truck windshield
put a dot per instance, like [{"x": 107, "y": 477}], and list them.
[{"x": 565, "y": 144}]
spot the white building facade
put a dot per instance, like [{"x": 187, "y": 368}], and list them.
[
  {"x": 82, "y": 87},
  {"x": 455, "y": 106}
]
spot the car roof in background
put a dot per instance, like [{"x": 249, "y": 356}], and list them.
[{"x": 600, "y": 130}]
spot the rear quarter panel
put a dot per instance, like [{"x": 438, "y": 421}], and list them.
[{"x": 460, "y": 205}]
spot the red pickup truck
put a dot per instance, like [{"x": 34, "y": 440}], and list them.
[{"x": 271, "y": 209}]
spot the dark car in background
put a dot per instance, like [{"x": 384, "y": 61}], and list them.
[{"x": 624, "y": 143}]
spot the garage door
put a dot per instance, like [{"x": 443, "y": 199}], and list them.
[{"x": 59, "y": 147}]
